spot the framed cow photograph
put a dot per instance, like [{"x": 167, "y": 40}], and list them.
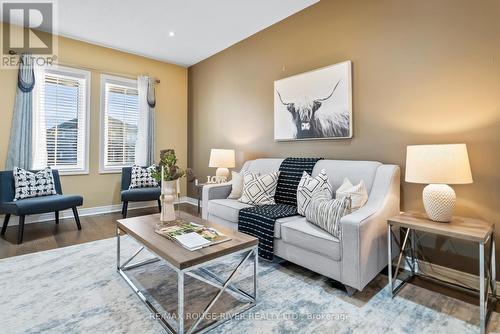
[{"x": 314, "y": 105}]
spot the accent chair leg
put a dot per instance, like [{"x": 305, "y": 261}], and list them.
[
  {"x": 20, "y": 230},
  {"x": 159, "y": 205},
  {"x": 77, "y": 218},
  {"x": 57, "y": 217},
  {"x": 124, "y": 209},
  {"x": 5, "y": 223}
]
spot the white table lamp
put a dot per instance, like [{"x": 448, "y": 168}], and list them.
[
  {"x": 438, "y": 166},
  {"x": 222, "y": 160}
]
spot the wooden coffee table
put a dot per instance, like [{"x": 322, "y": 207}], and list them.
[{"x": 185, "y": 262}]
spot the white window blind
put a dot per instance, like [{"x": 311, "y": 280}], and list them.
[
  {"x": 120, "y": 123},
  {"x": 60, "y": 110}
]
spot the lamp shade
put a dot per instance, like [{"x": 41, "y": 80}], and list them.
[
  {"x": 221, "y": 158},
  {"x": 444, "y": 164}
]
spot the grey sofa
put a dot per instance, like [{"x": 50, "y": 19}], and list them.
[{"x": 361, "y": 252}]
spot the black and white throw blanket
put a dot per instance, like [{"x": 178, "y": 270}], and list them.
[{"x": 259, "y": 221}]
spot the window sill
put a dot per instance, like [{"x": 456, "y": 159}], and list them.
[
  {"x": 71, "y": 172},
  {"x": 110, "y": 171}
]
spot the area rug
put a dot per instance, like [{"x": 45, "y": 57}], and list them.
[{"x": 77, "y": 290}]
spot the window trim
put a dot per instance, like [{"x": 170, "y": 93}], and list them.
[
  {"x": 87, "y": 75},
  {"x": 107, "y": 78}
]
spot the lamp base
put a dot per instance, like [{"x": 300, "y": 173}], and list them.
[
  {"x": 222, "y": 172},
  {"x": 439, "y": 202}
]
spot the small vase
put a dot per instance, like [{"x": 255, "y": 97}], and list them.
[{"x": 167, "y": 201}]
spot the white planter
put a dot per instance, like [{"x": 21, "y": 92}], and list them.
[{"x": 168, "y": 193}]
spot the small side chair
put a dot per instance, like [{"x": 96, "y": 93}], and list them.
[
  {"x": 137, "y": 194},
  {"x": 35, "y": 205}
]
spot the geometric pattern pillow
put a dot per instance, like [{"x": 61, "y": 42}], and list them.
[
  {"x": 326, "y": 212},
  {"x": 308, "y": 186},
  {"x": 28, "y": 184},
  {"x": 259, "y": 190},
  {"x": 142, "y": 178}
]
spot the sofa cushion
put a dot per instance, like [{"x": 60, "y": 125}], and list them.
[
  {"x": 41, "y": 204},
  {"x": 299, "y": 232},
  {"x": 228, "y": 209},
  {"x": 141, "y": 194}
]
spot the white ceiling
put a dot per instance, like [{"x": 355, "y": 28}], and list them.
[{"x": 202, "y": 27}]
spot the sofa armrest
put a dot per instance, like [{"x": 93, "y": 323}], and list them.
[
  {"x": 364, "y": 232},
  {"x": 214, "y": 191}
]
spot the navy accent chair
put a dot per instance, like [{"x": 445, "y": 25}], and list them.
[
  {"x": 137, "y": 194},
  {"x": 35, "y": 205}
]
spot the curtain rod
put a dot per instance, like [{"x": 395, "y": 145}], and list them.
[{"x": 127, "y": 75}]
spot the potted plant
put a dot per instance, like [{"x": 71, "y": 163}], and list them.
[{"x": 168, "y": 175}]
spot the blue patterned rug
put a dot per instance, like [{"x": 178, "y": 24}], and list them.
[{"x": 77, "y": 290}]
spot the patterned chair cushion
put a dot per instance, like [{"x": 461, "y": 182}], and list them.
[
  {"x": 259, "y": 190},
  {"x": 142, "y": 177},
  {"x": 308, "y": 185},
  {"x": 28, "y": 184}
]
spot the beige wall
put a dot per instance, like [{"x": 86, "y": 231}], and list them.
[
  {"x": 171, "y": 112},
  {"x": 423, "y": 72}
]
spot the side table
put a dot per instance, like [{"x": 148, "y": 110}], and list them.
[
  {"x": 472, "y": 230},
  {"x": 199, "y": 187}
]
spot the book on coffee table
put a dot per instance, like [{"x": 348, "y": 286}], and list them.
[{"x": 190, "y": 235}]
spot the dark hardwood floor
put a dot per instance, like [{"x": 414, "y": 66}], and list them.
[{"x": 47, "y": 235}]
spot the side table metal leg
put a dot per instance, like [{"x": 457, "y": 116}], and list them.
[
  {"x": 180, "y": 299},
  {"x": 482, "y": 313},
  {"x": 493, "y": 268},
  {"x": 389, "y": 260},
  {"x": 117, "y": 248},
  {"x": 255, "y": 271},
  {"x": 413, "y": 250}
]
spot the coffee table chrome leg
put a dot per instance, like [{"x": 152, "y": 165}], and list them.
[
  {"x": 482, "y": 313},
  {"x": 221, "y": 291},
  {"x": 180, "y": 305},
  {"x": 389, "y": 260},
  {"x": 117, "y": 248},
  {"x": 255, "y": 271}
]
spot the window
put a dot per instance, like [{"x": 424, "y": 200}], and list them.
[
  {"x": 60, "y": 119},
  {"x": 119, "y": 122}
]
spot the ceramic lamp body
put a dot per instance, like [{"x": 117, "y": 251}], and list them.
[
  {"x": 439, "y": 202},
  {"x": 222, "y": 172}
]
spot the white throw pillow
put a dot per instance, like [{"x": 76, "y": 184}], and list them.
[
  {"x": 308, "y": 185},
  {"x": 237, "y": 185},
  {"x": 326, "y": 212},
  {"x": 259, "y": 190},
  {"x": 142, "y": 177},
  {"x": 358, "y": 193}
]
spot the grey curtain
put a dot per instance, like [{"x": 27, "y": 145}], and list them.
[
  {"x": 145, "y": 145},
  {"x": 20, "y": 149},
  {"x": 151, "y": 98}
]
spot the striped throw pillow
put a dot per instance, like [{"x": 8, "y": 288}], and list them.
[{"x": 325, "y": 212}]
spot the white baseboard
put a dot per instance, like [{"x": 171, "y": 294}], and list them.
[
  {"x": 92, "y": 211},
  {"x": 447, "y": 274}
]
